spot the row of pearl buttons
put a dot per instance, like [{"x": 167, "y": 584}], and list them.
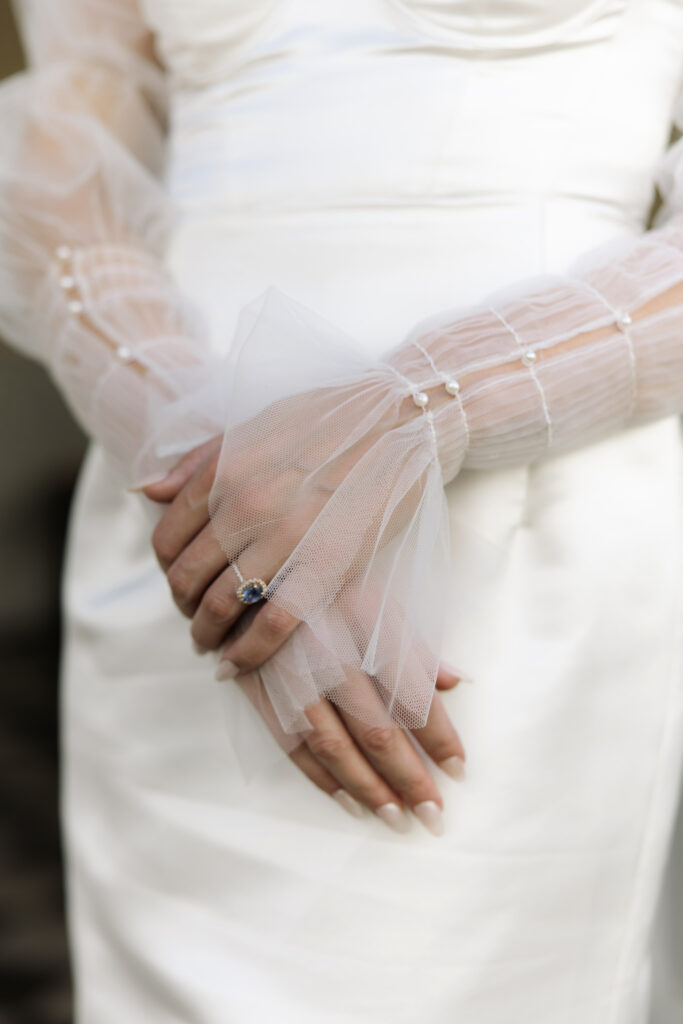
[
  {"x": 68, "y": 284},
  {"x": 421, "y": 399},
  {"x": 529, "y": 357}
]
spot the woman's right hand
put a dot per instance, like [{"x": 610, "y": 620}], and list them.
[
  {"x": 370, "y": 766},
  {"x": 360, "y": 765}
]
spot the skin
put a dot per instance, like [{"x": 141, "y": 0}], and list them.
[{"x": 376, "y": 766}]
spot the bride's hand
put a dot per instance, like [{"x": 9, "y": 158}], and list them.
[
  {"x": 197, "y": 569},
  {"x": 368, "y": 766},
  {"x": 270, "y": 496},
  {"x": 376, "y": 766}
]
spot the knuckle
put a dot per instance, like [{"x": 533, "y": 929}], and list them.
[
  {"x": 256, "y": 499},
  {"x": 295, "y": 526},
  {"x": 161, "y": 542},
  {"x": 441, "y": 748},
  {"x": 208, "y": 471},
  {"x": 327, "y": 746},
  {"x": 199, "y": 485},
  {"x": 305, "y": 763},
  {"x": 417, "y": 788},
  {"x": 298, "y": 754},
  {"x": 203, "y": 637},
  {"x": 180, "y": 582},
  {"x": 379, "y": 739},
  {"x": 374, "y": 795},
  {"x": 196, "y": 492},
  {"x": 276, "y": 621},
  {"x": 217, "y": 605}
]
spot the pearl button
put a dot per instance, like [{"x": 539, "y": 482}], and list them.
[
  {"x": 63, "y": 252},
  {"x": 452, "y": 387},
  {"x": 420, "y": 399},
  {"x": 67, "y": 281},
  {"x": 529, "y": 357},
  {"x": 624, "y": 320},
  {"x": 75, "y": 306},
  {"x": 125, "y": 354}
]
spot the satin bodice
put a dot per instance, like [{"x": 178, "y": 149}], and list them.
[{"x": 283, "y": 105}]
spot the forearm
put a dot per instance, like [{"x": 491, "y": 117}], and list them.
[
  {"x": 84, "y": 221},
  {"x": 555, "y": 363}
]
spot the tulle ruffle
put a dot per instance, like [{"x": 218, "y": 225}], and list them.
[
  {"x": 368, "y": 577},
  {"x": 341, "y": 465}
]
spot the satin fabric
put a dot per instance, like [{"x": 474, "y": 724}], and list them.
[{"x": 378, "y": 162}]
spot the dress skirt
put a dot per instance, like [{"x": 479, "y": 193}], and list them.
[{"x": 202, "y": 897}]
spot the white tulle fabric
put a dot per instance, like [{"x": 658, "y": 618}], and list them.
[
  {"x": 546, "y": 365},
  {"x": 346, "y": 461},
  {"x": 83, "y": 224}
]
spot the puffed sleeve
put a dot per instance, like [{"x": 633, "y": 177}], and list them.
[
  {"x": 84, "y": 220},
  {"x": 546, "y": 365}
]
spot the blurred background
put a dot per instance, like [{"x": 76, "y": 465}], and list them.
[{"x": 40, "y": 451}]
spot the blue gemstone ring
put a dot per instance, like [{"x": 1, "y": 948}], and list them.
[{"x": 249, "y": 591}]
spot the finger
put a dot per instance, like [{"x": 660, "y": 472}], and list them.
[
  {"x": 165, "y": 490},
  {"x": 331, "y": 744},
  {"x": 187, "y": 514},
  {"x": 220, "y": 607},
  {"x": 195, "y": 569},
  {"x": 398, "y": 762},
  {"x": 218, "y": 610},
  {"x": 320, "y": 777},
  {"x": 251, "y": 685},
  {"x": 448, "y": 677},
  {"x": 271, "y": 626},
  {"x": 439, "y": 738}
]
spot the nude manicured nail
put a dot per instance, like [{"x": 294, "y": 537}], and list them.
[
  {"x": 393, "y": 816},
  {"x": 226, "y": 670},
  {"x": 198, "y": 649},
  {"x": 149, "y": 482},
  {"x": 429, "y": 813},
  {"x": 349, "y": 803},
  {"x": 453, "y": 766},
  {"x": 462, "y": 676}
]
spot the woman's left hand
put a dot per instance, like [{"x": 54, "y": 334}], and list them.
[
  {"x": 341, "y": 754},
  {"x": 203, "y": 585},
  {"x": 275, "y": 481},
  {"x": 333, "y": 498},
  {"x": 201, "y": 580}
]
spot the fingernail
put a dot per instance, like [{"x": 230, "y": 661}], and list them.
[
  {"x": 149, "y": 482},
  {"x": 453, "y": 766},
  {"x": 392, "y": 815},
  {"x": 349, "y": 803},
  {"x": 462, "y": 676},
  {"x": 198, "y": 649},
  {"x": 430, "y": 815},
  {"x": 226, "y": 670}
]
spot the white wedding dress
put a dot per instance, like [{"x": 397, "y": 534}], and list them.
[{"x": 379, "y": 160}]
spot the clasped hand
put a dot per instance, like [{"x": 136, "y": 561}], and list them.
[{"x": 279, "y": 482}]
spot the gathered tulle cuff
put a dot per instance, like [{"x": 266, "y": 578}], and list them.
[
  {"x": 130, "y": 355},
  {"x": 352, "y": 455},
  {"x": 83, "y": 226},
  {"x": 345, "y": 462}
]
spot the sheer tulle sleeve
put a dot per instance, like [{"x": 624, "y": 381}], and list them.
[
  {"x": 543, "y": 366},
  {"x": 83, "y": 224}
]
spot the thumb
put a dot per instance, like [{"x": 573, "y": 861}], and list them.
[{"x": 165, "y": 490}]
